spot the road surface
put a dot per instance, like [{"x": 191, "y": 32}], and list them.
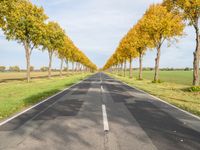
[{"x": 101, "y": 113}]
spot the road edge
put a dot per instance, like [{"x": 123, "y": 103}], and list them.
[
  {"x": 37, "y": 104},
  {"x": 159, "y": 99}
]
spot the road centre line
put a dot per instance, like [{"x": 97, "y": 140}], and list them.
[
  {"x": 102, "y": 90},
  {"x": 105, "y": 119}
]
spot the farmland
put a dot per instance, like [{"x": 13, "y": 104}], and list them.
[{"x": 179, "y": 77}]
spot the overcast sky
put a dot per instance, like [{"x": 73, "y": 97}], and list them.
[{"x": 96, "y": 27}]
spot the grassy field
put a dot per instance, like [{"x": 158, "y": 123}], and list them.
[
  {"x": 179, "y": 77},
  {"x": 10, "y": 76},
  {"x": 171, "y": 90},
  {"x": 17, "y": 95}
]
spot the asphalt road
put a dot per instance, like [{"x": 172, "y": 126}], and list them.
[{"x": 101, "y": 113}]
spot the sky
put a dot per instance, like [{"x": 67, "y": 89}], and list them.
[{"x": 96, "y": 27}]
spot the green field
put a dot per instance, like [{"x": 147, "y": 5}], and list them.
[
  {"x": 171, "y": 90},
  {"x": 179, "y": 77},
  {"x": 18, "y": 95}
]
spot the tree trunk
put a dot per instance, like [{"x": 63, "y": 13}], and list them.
[
  {"x": 140, "y": 70},
  {"x": 27, "y": 51},
  {"x": 61, "y": 67},
  {"x": 67, "y": 64},
  {"x": 50, "y": 64},
  {"x": 118, "y": 69},
  {"x": 80, "y": 67},
  {"x": 130, "y": 69},
  {"x": 125, "y": 68},
  {"x": 196, "y": 58},
  {"x": 72, "y": 66},
  {"x": 76, "y": 67},
  {"x": 157, "y": 61},
  {"x": 121, "y": 70}
]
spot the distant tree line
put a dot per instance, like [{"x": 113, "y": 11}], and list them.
[
  {"x": 42, "y": 69},
  {"x": 11, "y": 69},
  {"x": 162, "y": 69}
]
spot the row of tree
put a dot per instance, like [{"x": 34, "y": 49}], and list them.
[
  {"x": 160, "y": 23},
  {"x": 11, "y": 68},
  {"x": 27, "y": 24}
]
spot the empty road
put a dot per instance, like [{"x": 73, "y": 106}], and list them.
[{"x": 101, "y": 113}]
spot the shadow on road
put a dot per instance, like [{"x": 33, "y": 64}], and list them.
[{"x": 47, "y": 122}]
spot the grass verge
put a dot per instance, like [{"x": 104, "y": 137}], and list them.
[
  {"x": 170, "y": 92},
  {"x": 18, "y": 95}
]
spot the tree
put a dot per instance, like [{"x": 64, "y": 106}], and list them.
[
  {"x": 2, "y": 13},
  {"x": 140, "y": 40},
  {"x": 14, "y": 69},
  {"x": 64, "y": 53},
  {"x": 125, "y": 51},
  {"x": 53, "y": 41},
  {"x": 143, "y": 41},
  {"x": 31, "y": 68},
  {"x": 68, "y": 51},
  {"x": 24, "y": 23},
  {"x": 190, "y": 10},
  {"x": 128, "y": 49},
  {"x": 161, "y": 25},
  {"x": 2, "y": 68},
  {"x": 5, "y": 7},
  {"x": 44, "y": 69}
]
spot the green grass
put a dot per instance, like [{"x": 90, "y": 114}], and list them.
[
  {"x": 179, "y": 77},
  {"x": 18, "y": 95},
  {"x": 173, "y": 93}
]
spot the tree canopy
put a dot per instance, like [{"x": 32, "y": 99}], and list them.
[
  {"x": 27, "y": 24},
  {"x": 156, "y": 26}
]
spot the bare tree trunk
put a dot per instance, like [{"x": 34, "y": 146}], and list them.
[
  {"x": 27, "y": 51},
  {"x": 121, "y": 70},
  {"x": 85, "y": 69},
  {"x": 76, "y": 66},
  {"x": 130, "y": 69},
  {"x": 118, "y": 68},
  {"x": 50, "y": 64},
  {"x": 157, "y": 61},
  {"x": 80, "y": 67},
  {"x": 196, "y": 58},
  {"x": 140, "y": 70},
  {"x": 125, "y": 68},
  {"x": 67, "y": 64},
  {"x": 61, "y": 67},
  {"x": 72, "y": 66}
]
